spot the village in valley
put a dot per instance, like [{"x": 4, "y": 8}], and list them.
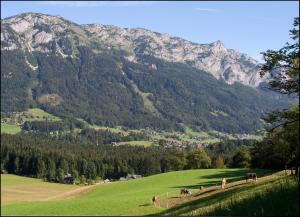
[{"x": 167, "y": 139}]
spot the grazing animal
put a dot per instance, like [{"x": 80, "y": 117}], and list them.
[
  {"x": 154, "y": 200},
  {"x": 252, "y": 176},
  {"x": 201, "y": 188},
  {"x": 185, "y": 192},
  {"x": 224, "y": 182},
  {"x": 182, "y": 191},
  {"x": 188, "y": 192}
]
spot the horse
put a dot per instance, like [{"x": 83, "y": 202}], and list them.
[
  {"x": 251, "y": 176},
  {"x": 224, "y": 182}
]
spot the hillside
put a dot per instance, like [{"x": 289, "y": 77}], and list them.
[
  {"x": 41, "y": 32},
  {"x": 269, "y": 196},
  {"x": 21, "y": 189},
  {"x": 70, "y": 71},
  {"x": 272, "y": 195},
  {"x": 127, "y": 197}
]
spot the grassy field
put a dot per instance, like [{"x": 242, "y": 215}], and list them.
[
  {"x": 275, "y": 195},
  {"x": 127, "y": 197},
  {"x": 10, "y": 128},
  {"x": 40, "y": 115},
  {"x": 17, "y": 189},
  {"x": 273, "y": 198},
  {"x": 138, "y": 143},
  {"x": 34, "y": 114}
]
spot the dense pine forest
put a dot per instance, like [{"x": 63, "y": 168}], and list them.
[
  {"x": 108, "y": 90},
  {"x": 51, "y": 159}
]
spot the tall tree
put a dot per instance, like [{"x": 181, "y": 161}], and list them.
[
  {"x": 283, "y": 68},
  {"x": 51, "y": 170},
  {"x": 241, "y": 159},
  {"x": 198, "y": 159},
  {"x": 219, "y": 162}
]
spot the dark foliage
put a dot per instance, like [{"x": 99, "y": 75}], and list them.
[
  {"x": 98, "y": 88},
  {"x": 31, "y": 156}
]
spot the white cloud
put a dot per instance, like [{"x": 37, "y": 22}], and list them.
[
  {"x": 209, "y": 10},
  {"x": 80, "y": 4}
]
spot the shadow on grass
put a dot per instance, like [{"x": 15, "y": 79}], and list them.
[
  {"x": 197, "y": 186},
  {"x": 231, "y": 176},
  {"x": 240, "y": 173},
  {"x": 187, "y": 207},
  {"x": 146, "y": 204}
]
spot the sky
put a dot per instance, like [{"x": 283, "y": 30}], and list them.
[{"x": 248, "y": 27}]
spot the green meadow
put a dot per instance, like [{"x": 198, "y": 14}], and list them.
[
  {"x": 131, "y": 197},
  {"x": 34, "y": 114},
  {"x": 10, "y": 128},
  {"x": 138, "y": 143}
]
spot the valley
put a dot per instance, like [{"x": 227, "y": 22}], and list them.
[
  {"x": 77, "y": 73},
  {"x": 103, "y": 120},
  {"x": 13, "y": 123}
]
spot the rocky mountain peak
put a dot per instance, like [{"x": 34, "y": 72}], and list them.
[
  {"x": 218, "y": 44},
  {"x": 47, "y": 33}
]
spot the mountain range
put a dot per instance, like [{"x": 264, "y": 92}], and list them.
[{"x": 131, "y": 77}]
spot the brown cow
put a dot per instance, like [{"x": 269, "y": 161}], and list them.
[
  {"x": 154, "y": 200},
  {"x": 252, "y": 176}
]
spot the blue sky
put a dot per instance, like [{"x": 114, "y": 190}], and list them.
[{"x": 249, "y": 27}]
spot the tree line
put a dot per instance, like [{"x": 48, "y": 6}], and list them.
[{"x": 29, "y": 156}]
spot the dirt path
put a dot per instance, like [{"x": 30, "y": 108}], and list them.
[{"x": 72, "y": 193}]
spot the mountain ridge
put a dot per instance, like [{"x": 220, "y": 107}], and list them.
[
  {"x": 214, "y": 58},
  {"x": 76, "y": 73}
]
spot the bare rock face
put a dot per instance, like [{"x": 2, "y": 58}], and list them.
[{"x": 45, "y": 33}]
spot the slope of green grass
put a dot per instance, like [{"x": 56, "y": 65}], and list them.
[
  {"x": 40, "y": 115},
  {"x": 128, "y": 197},
  {"x": 139, "y": 143},
  {"x": 278, "y": 196},
  {"x": 148, "y": 105},
  {"x": 10, "y": 128},
  {"x": 34, "y": 114}
]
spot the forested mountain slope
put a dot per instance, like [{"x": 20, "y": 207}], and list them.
[{"x": 69, "y": 70}]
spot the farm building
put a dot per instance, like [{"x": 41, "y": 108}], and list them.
[
  {"x": 68, "y": 179},
  {"x": 130, "y": 176},
  {"x": 133, "y": 176}
]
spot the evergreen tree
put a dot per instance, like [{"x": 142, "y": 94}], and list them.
[
  {"x": 59, "y": 175},
  {"x": 51, "y": 172},
  {"x": 16, "y": 165},
  {"x": 41, "y": 168}
]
